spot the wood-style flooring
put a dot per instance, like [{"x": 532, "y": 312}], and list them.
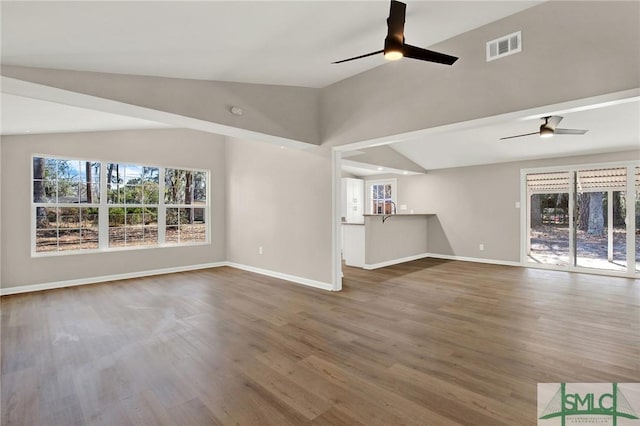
[{"x": 428, "y": 342}]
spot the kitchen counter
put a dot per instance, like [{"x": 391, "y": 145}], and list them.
[{"x": 385, "y": 240}]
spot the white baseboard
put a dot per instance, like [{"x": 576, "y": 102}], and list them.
[
  {"x": 95, "y": 280},
  {"x": 283, "y": 276},
  {"x": 473, "y": 259},
  {"x": 395, "y": 261},
  {"x": 269, "y": 273}
]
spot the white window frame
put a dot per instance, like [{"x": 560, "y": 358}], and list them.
[
  {"x": 103, "y": 209},
  {"x": 369, "y": 186}
]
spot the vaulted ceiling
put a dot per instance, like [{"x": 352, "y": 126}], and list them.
[
  {"x": 289, "y": 43},
  {"x": 270, "y": 42}
]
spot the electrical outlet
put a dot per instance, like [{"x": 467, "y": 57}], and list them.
[
  {"x": 260, "y": 250},
  {"x": 517, "y": 204},
  {"x": 403, "y": 206},
  {"x": 481, "y": 247}
]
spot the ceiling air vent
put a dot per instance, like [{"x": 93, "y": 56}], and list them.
[{"x": 504, "y": 46}]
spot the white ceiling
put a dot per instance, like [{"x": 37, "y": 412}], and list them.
[
  {"x": 272, "y": 42},
  {"x": 20, "y": 115},
  {"x": 611, "y": 127}
]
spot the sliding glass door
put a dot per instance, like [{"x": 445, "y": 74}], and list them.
[{"x": 584, "y": 218}]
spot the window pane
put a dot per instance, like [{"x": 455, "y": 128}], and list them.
[
  {"x": 46, "y": 217},
  {"x": 132, "y": 174},
  {"x": 150, "y": 216},
  {"x": 114, "y": 177},
  {"x": 200, "y": 188},
  {"x": 150, "y": 193},
  {"x": 116, "y": 216},
  {"x": 89, "y": 172},
  {"x": 69, "y": 239},
  {"x": 172, "y": 216},
  {"x": 90, "y": 193},
  {"x": 172, "y": 235},
  {"x": 68, "y": 191},
  {"x": 44, "y": 191},
  {"x": 89, "y": 217},
  {"x": 198, "y": 229},
  {"x": 175, "y": 183},
  {"x": 150, "y": 235},
  {"x": 115, "y": 194},
  {"x": 70, "y": 217},
  {"x": 47, "y": 241},
  {"x": 117, "y": 237},
  {"x": 133, "y": 194},
  {"x": 89, "y": 238},
  {"x": 134, "y": 217}
]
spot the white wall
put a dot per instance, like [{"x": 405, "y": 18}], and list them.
[
  {"x": 279, "y": 199},
  {"x": 174, "y": 147},
  {"x": 475, "y": 205}
]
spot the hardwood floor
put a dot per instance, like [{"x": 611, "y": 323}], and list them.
[{"x": 424, "y": 343}]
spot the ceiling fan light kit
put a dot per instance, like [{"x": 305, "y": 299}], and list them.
[
  {"x": 545, "y": 132},
  {"x": 394, "y": 44}
]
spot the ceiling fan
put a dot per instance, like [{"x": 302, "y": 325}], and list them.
[
  {"x": 548, "y": 129},
  {"x": 394, "y": 46}
]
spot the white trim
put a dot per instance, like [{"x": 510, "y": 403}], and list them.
[
  {"x": 336, "y": 226},
  {"x": 474, "y": 259},
  {"x": 386, "y": 263},
  {"x": 95, "y": 280},
  {"x": 283, "y": 276},
  {"x": 105, "y": 278},
  {"x": 582, "y": 270}
]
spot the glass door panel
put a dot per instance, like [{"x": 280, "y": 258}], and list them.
[
  {"x": 548, "y": 218},
  {"x": 601, "y": 234},
  {"x": 549, "y": 229}
]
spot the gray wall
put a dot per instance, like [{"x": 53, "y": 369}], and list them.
[
  {"x": 175, "y": 147},
  {"x": 571, "y": 50},
  {"x": 477, "y": 205},
  {"x": 279, "y": 199},
  {"x": 289, "y": 112},
  {"x": 396, "y": 238}
]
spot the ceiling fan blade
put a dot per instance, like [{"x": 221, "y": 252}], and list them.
[
  {"x": 519, "y": 136},
  {"x": 569, "y": 132},
  {"x": 395, "y": 21},
  {"x": 427, "y": 55},
  {"x": 553, "y": 121},
  {"x": 358, "y": 57}
]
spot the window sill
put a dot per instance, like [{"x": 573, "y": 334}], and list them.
[{"x": 112, "y": 250}]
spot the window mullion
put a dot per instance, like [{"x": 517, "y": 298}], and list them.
[
  {"x": 162, "y": 209},
  {"x": 103, "y": 209}
]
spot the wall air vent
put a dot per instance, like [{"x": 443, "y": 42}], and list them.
[{"x": 504, "y": 46}]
